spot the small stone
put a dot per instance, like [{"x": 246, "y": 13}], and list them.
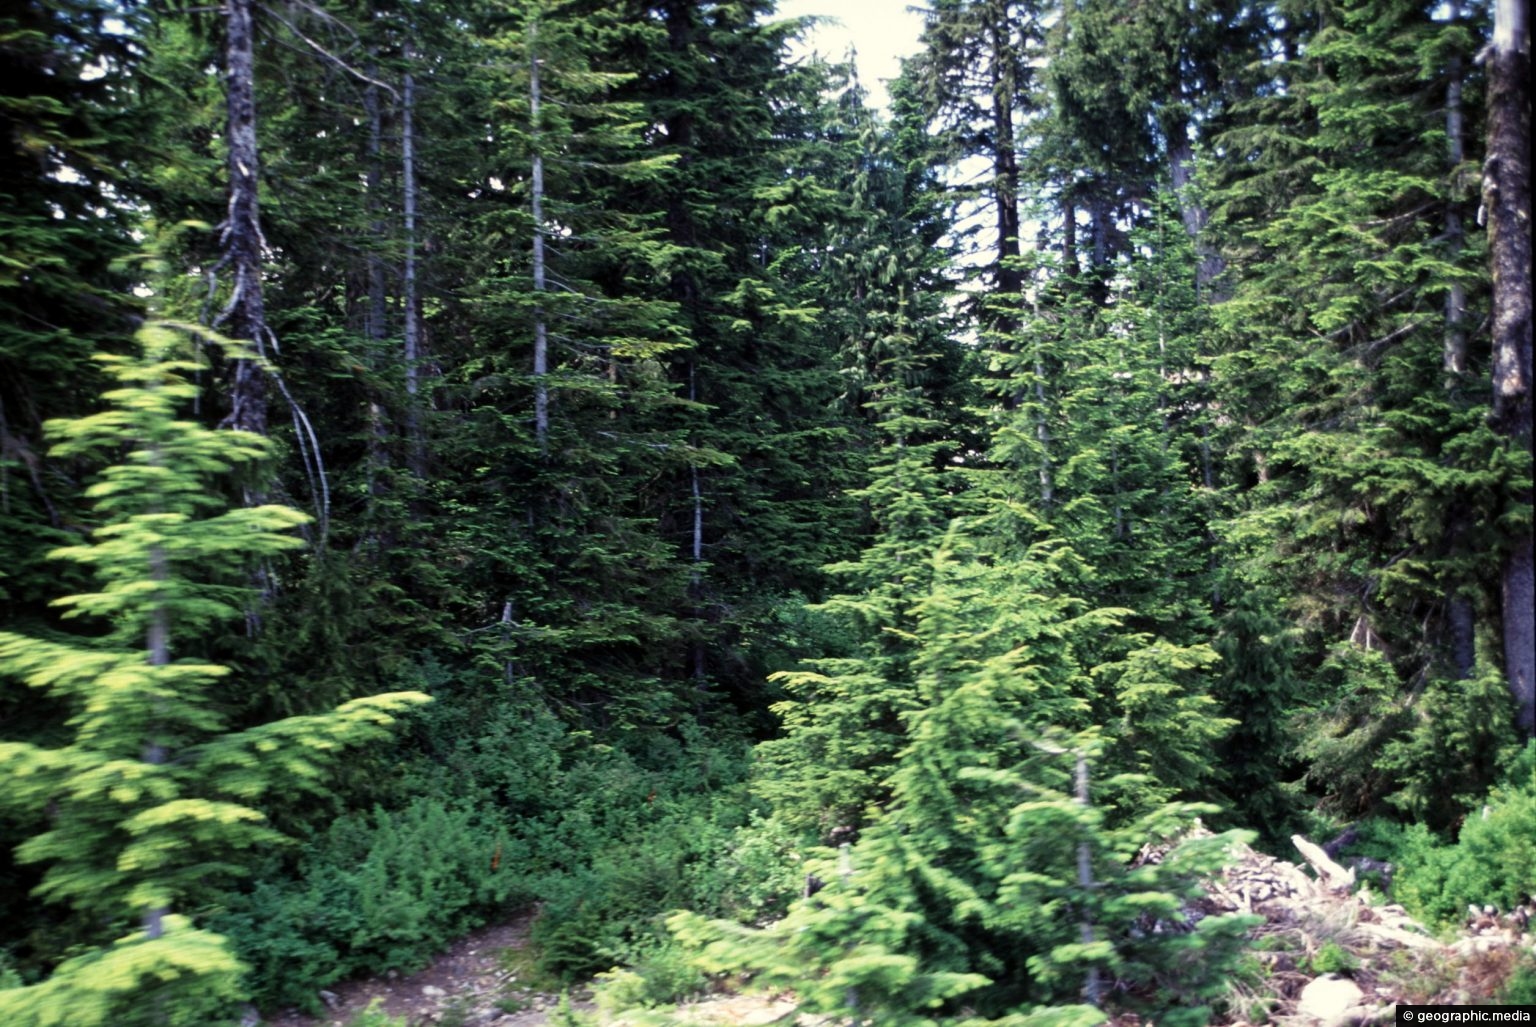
[
  {"x": 330, "y": 999},
  {"x": 432, "y": 991},
  {"x": 1330, "y": 1001}
]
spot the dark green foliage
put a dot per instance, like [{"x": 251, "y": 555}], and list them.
[
  {"x": 65, "y": 135},
  {"x": 375, "y": 891},
  {"x": 652, "y": 424},
  {"x": 1492, "y": 862},
  {"x": 964, "y": 886},
  {"x": 1368, "y": 482}
]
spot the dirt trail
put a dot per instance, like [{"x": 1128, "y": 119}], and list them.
[{"x": 468, "y": 985}]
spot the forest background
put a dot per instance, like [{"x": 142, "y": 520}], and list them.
[{"x": 458, "y": 456}]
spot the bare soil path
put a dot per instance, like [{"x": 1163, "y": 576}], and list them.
[{"x": 469, "y": 985}]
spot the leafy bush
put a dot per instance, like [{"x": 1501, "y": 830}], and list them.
[
  {"x": 1492, "y": 863},
  {"x": 609, "y": 913},
  {"x": 1464, "y": 733},
  {"x": 666, "y": 975}
]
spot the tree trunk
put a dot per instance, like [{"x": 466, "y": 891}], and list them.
[
  {"x": 1461, "y": 618},
  {"x": 1093, "y": 988},
  {"x": 1181, "y": 167},
  {"x": 242, "y": 239},
  {"x": 1005, "y": 163},
  {"x": 1455, "y": 354},
  {"x": 696, "y": 574},
  {"x": 417, "y": 457},
  {"x": 1507, "y": 202},
  {"x": 540, "y": 329},
  {"x": 376, "y": 318},
  {"x": 1069, "y": 262}
]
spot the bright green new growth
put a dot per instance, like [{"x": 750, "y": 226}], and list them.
[{"x": 146, "y": 805}]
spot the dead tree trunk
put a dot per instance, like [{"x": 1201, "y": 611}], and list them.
[{"x": 1461, "y": 620}]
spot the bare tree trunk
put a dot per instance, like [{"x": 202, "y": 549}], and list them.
[
  {"x": 376, "y": 319},
  {"x": 1461, "y": 619},
  {"x": 412, "y": 330},
  {"x": 1455, "y": 356},
  {"x": 540, "y": 329},
  {"x": 1093, "y": 988},
  {"x": 157, "y": 644},
  {"x": 242, "y": 239},
  {"x": 1069, "y": 262},
  {"x": 696, "y": 575},
  {"x": 1043, "y": 435},
  {"x": 1507, "y": 201},
  {"x": 1181, "y": 166},
  {"x": 1005, "y": 163}
]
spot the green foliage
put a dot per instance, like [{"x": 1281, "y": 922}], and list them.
[
  {"x": 1493, "y": 861},
  {"x": 606, "y": 910},
  {"x": 1462, "y": 734},
  {"x": 149, "y": 796},
  {"x": 1222, "y": 536},
  {"x": 374, "y": 1016},
  {"x": 964, "y": 889},
  {"x": 184, "y": 978},
  {"x": 1333, "y": 958},
  {"x": 665, "y": 975},
  {"x": 1521, "y": 984},
  {"x": 375, "y": 892}
]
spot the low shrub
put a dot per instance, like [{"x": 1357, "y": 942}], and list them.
[{"x": 1492, "y": 862}]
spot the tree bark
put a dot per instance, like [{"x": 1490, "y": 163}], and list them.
[
  {"x": 1005, "y": 163},
  {"x": 540, "y": 329},
  {"x": 242, "y": 239},
  {"x": 375, "y": 319},
  {"x": 1507, "y": 203},
  {"x": 409, "y": 300},
  {"x": 1181, "y": 168},
  {"x": 1093, "y": 988},
  {"x": 1461, "y": 619}
]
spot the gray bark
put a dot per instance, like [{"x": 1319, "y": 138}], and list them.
[
  {"x": 410, "y": 300},
  {"x": 1461, "y": 620},
  {"x": 1181, "y": 167},
  {"x": 376, "y": 318},
  {"x": 1093, "y": 989},
  {"x": 242, "y": 239},
  {"x": 1507, "y": 202},
  {"x": 540, "y": 283}
]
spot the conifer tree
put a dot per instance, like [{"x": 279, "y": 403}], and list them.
[
  {"x": 986, "y": 880},
  {"x": 882, "y": 290},
  {"x": 1354, "y": 449},
  {"x": 151, "y": 799}
]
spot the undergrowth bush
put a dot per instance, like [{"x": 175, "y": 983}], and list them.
[
  {"x": 511, "y": 808},
  {"x": 377, "y": 891},
  {"x": 1492, "y": 862}
]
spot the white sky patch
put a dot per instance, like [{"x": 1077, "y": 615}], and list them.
[{"x": 881, "y": 32}]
